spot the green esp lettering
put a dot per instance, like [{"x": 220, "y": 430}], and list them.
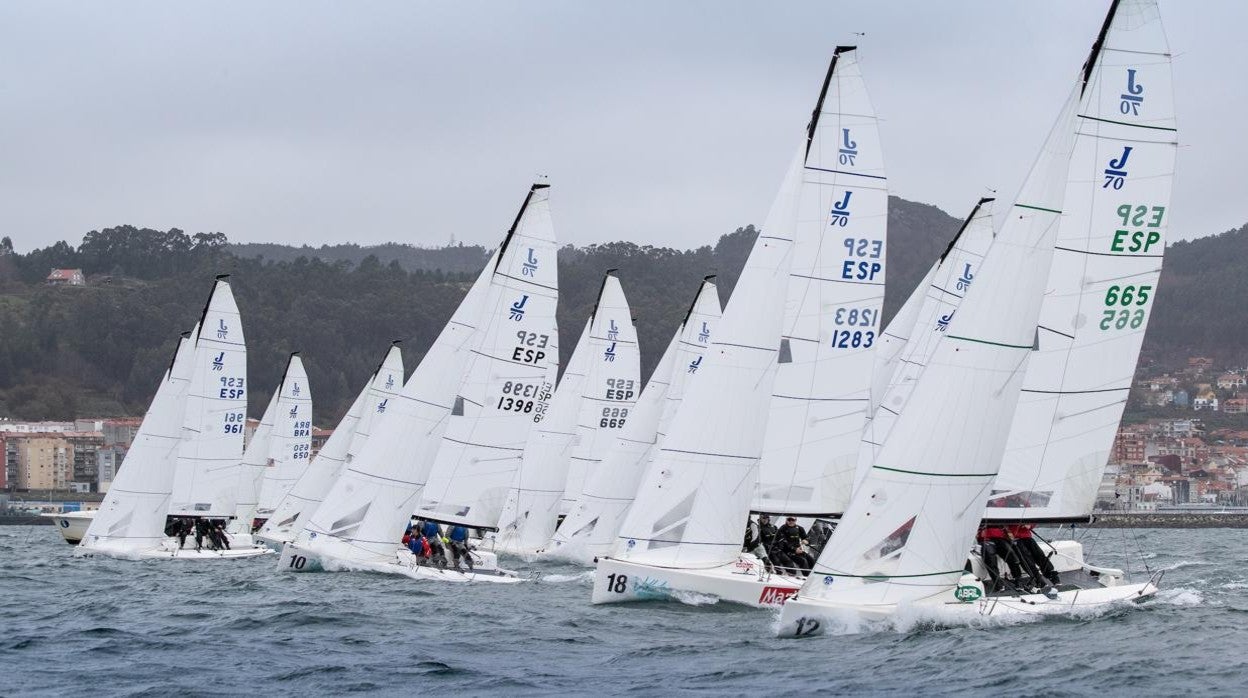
[
  {"x": 1134, "y": 241},
  {"x": 1141, "y": 215}
]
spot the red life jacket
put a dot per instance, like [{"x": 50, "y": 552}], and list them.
[
  {"x": 1021, "y": 530},
  {"x": 991, "y": 533},
  {"x": 425, "y": 550},
  {"x": 407, "y": 538}
]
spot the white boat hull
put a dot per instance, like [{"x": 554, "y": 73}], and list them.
[
  {"x": 296, "y": 559},
  {"x": 169, "y": 550},
  {"x": 73, "y": 525},
  {"x": 802, "y": 617},
  {"x": 618, "y": 581},
  {"x": 272, "y": 541}
]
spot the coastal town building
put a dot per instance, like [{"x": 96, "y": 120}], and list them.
[
  {"x": 66, "y": 277},
  {"x": 41, "y": 461}
]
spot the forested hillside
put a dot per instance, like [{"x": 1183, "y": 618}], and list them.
[{"x": 99, "y": 349}]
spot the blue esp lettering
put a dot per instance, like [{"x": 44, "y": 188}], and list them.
[{"x": 860, "y": 271}]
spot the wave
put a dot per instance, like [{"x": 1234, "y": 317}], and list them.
[
  {"x": 586, "y": 576},
  {"x": 1181, "y": 596}
]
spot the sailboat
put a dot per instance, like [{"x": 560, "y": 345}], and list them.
[
  {"x": 278, "y": 452},
  {"x": 904, "y": 540},
  {"x": 590, "y": 529},
  {"x": 531, "y": 511},
  {"x": 510, "y": 378},
  {"x": 1100, "y": 293},
  {"x": 684, "y": 531},
  {"x": 342, "y": 447},
  {"x": 187, "y": 462},
  {"x": 361, "y": 521},
  {"x": 610, "y": 389}
]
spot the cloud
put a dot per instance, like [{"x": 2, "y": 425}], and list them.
[{"x": 663, "y": 123}]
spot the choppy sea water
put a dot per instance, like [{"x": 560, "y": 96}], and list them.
[{"x": 113, "y": 627}]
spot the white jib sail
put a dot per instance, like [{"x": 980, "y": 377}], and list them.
[
  {"x": 911, "y": 522},
  {"x": 1104, "y": 278},
  {"x": 596, "y": 517},
  {"x": 347, "y": 440},
  {"x": 610, "y": 389},
  {"x": 132, "y": 516},
  {"x": 205, "y": 480},
  {"x": 532, "y": 507},
  {"x": 938, "y": 299},
  {"x": 510, "y": 374},
  {"x": 892, "y": 342},
  {"x": 832, "y": 311},
  {"x": 376, "y": 492},
  {"x": 694, "y": 499},
  {"x": 290, "y": 446},
  {"x": 251, "y": 471}
]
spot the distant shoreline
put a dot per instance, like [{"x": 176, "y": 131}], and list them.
[{"x": 1185, "y": 519}]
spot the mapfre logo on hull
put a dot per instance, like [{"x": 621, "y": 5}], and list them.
[{"x": 775, "y": 596}]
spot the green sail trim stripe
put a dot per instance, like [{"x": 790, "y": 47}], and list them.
[
  {"x": 919, "y": 472},
  {"x": 995, "y": 344},
  {"x": 1039, "y": 208},
  {"x": 886, "y": 576},
  {"x": 1127, "y": 123}
]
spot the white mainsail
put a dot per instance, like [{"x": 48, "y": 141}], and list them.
[
  {"x": 509, "y": 376},
  {"x": 347, "y": 440},
  {"x": 205, "y": 480},
  {"x": 591, "y": 527},
  {"x": 1103, "y": 282},
  {"x": 832, "y": 311},
  {"x": 290, "y": 446},
  {"x": 610, "y": 389},
  {"x": 938, "y": 296},
  {"x": 132, "y": 516},
  {"x": 364, "y": 513},
  {"x": 694, "y": 499},
  {"x": 251, "y": 471},
  {"x": 908, "y": 528},
  {"x": 532, "y": 509}
]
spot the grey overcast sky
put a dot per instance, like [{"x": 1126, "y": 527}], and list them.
[{"x": 665, "y": 123}]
